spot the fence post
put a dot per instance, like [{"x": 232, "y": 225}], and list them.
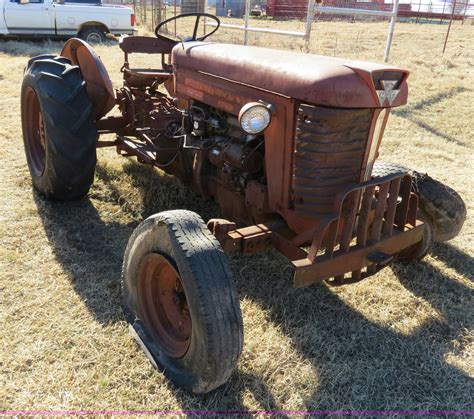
[
  {"x": 153, "y": 13},
  {"x": 309, "y": 23},
  {"x": 206, "y": 6},
  {"x": 466, "y": 5},
  {"x": 449, "y": 26},
  {"x": 391, "y": 29},
  {"x": 247, "y": 17}
]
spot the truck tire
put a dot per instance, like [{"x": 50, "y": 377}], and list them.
[
  {"x": 180, "y": 300},
  {"x": 59, "y": 132},
  {"x": 93, "y": 36}
]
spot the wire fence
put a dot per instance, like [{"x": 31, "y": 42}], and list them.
[
  {"x": 424, "y": 11},
  {"x": 298, "y": 24}
]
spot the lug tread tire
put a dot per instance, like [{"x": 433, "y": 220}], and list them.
[
  {"x": 70, "y": 130},
  {"x": 217, "y": 333}
]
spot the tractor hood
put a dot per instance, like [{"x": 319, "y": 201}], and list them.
[{"x": 313, "y": 79}]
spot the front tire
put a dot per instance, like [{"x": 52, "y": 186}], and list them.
[
  {"x": 437, "y": 202},
  {"x": 441, "y": 208},
  {"x": 58, "y": 128},
  {"x": 179, "y": 297}
]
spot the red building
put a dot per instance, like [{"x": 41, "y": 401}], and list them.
[
  {"x": 291, "y": 9},
  {"x": 297, "y": 9}
]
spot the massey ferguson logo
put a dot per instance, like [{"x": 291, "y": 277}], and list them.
[{"x": 388, "y": 94}]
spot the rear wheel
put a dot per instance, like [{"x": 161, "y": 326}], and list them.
[
  {"x": 58, "y": 128},
  {"x": 93, "y": 36},
  {"x": 179, "y": 297}
]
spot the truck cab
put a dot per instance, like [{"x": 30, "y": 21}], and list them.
[{"x": 91, "y": 21}]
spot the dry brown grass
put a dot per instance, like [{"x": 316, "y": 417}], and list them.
[{"x": 402, "y": 339}]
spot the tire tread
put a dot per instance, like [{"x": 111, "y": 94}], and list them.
[{"x": 69, "y": 127}]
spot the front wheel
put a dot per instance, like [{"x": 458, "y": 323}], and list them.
[
  {"x": 179, "y": 297},
  {"x": 441, "y": 208}
]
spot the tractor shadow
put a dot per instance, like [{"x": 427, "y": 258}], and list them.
[
  {"x": 228, "y": 400},
  {"x": 382, "y": 369},
  {"x": 455, "y": 258},
  {"x": 363, "y": 365},
  {"x": 89, "y": 250}
]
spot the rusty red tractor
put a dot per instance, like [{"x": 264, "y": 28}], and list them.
[{"x": 285, "y": 142}]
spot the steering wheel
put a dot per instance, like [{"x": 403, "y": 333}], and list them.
[{"x": 194, "y": 36}]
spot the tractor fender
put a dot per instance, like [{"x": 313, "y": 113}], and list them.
[{"x": 98, "y": 84}]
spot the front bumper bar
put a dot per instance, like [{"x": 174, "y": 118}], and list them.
[
  {"x": 370, "y": 224},
  {"x": 373, "y": 258}
]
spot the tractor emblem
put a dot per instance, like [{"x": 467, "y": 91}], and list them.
[{"x": 388, "y": 94}]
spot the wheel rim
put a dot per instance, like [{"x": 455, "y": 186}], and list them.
[
  {"x": 35, "y": 137},
  {"x": 94, "y": 38},
  {"x": 163, "y": 305}
]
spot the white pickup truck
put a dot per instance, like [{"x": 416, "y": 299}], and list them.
[{"x": 92, "y": 22}]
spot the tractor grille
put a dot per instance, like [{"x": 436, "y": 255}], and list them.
[{"x": 329, "y": 149}]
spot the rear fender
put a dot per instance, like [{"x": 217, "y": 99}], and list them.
[{"x": 99, "y": 86}]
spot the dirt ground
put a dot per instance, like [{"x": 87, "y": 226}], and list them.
[{"x": 402, "y": 339}]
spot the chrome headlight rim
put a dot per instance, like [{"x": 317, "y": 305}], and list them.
[{"x": 246, "y": 112}]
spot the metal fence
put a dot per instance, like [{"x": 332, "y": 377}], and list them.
[
  {"x": 249, "y": 16},
  {"x": 312, "y": 9}
]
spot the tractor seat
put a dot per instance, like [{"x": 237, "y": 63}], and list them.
[
  {"x": 145, "y": 45},
  {"x": 143, "y": 77}
]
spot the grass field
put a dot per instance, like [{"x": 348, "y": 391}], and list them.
[{"x": 402, "y": 339}]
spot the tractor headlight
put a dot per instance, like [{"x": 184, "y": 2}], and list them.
[{"x": 255, "y": 117}]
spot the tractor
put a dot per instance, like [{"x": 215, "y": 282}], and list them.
[{"x": 286, "y": 143}]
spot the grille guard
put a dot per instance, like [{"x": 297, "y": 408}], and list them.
[{"x": 370, "y": 223}]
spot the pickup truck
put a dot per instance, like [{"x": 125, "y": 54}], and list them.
[{"x": 91, "y": 22}]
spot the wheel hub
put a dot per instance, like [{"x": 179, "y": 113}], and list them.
[
  {"x": 34, "y": 133},
  {"x": 93, "y": 38},
  {"x": 163, "y": 305}
]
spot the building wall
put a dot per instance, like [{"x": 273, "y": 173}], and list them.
[
  {"x": 292, "y": 9},
  {"x": 298, "y": 9},
  {"x": 237, "y": 7},
  {"x": 193, "y": 6}
]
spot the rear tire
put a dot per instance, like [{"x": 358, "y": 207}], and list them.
[
  {"x": 58, "y": 128},
  {"x": 179, "y": 297}
]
